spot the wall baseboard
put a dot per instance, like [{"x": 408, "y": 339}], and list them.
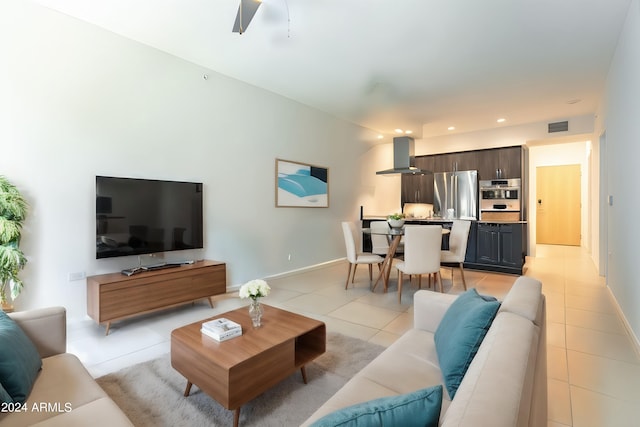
[
  {"x": 625, "y": 322},
  {"x": 294, "y": 272}
]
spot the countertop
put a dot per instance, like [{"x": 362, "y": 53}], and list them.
[{"x": 439, "y": 220}]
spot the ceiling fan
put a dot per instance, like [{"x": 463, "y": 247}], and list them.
[{"x": 246, "y": 10}]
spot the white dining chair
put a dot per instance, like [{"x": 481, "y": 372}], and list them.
[
  {"x": 421, "y": 254},
  {"x": 354, "y": 257},
  {"x": 380, "y": 242},
  {"x": 454, "y": 257}
]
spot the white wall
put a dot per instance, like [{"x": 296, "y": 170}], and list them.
[
  {"x": 504, "y": 136},
  {"x": 380, "y": 193},
  {"x": 622, "y": 108},
  {"x": 77, "y": 101}
]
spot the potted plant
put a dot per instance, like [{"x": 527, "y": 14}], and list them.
[
  {"x": 13, "y": 211},
  {"x": 396, "y": 220}
]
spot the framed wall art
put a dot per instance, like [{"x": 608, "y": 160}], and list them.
[{"x": 301, "y": 185}]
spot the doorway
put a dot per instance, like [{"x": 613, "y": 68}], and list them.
[{"x": 558, "y": 205}]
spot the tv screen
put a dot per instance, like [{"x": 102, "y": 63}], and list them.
[{"x": 144, "y": 216}]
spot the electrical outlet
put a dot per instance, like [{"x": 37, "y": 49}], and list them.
[{"x": 78, "y": 275}]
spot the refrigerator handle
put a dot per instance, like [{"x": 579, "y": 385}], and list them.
[{"x": 456, "y": 212}]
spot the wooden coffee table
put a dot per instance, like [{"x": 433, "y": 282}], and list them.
[{"x": 237, "y": 370}]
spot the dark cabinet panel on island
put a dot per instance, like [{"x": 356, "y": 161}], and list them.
[
  {"x": 488, "y": 241},
  {"x": 511, "y": 250},
  {"x": 500, "y": 247},
  {"x": 497, "y": 247}
]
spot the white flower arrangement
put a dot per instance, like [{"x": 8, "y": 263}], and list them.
[{"x": 254, "y": 289}]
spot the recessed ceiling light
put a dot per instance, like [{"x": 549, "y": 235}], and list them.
[
  {"x": 408, "y": 132},
  {"x": 380, "y": 136},
  {"x": 501, "y": 120},
  {"x": 398, "y": 130},
  {"x": 451, "y": 128}
]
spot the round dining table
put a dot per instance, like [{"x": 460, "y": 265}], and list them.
[{"x": 394, "y": 235}]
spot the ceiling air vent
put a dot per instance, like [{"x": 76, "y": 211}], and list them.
[{"x": 558, "y": 127}]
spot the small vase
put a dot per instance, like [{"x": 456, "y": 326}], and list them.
[
  {"x": 396, "y": 223},
  {"x": 255, "y": 312}
]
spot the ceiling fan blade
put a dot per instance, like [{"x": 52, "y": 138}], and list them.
[{"x": 248, "y": 9}]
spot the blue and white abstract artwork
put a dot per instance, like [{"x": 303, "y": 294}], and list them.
[{"x": 301, "y": 185}]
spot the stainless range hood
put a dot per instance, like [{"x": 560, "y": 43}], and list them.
[{"x": 403, "y": 158}]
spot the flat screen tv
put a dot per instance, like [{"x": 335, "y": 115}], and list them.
[{"x": 144, "y": 216}]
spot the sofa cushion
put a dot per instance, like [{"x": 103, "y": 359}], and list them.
[
  {"x": 62, "y": 380},
  {"x": 524, "y": 299},
  {"x": 19, "y": 359},
  {"x": 497, "y": 389},
  {"x": 4, "y": 396},
  {"x": 410, "y": 364},
  {"x": 460, "y": 333},
  {"x": 418, "y": 408}
]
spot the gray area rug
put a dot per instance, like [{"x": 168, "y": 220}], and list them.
[{"x": 150, "y": 393}]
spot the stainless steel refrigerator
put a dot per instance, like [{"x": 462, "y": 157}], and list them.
[{"x": 455, "y": 195}]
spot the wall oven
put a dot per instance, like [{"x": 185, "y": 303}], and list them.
[{"x": 500, "y": 195}]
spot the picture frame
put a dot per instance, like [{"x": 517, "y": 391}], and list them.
[{"x": 301, "y": 185}]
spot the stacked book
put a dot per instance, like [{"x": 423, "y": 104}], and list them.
[{"x": 221, "y": 329}]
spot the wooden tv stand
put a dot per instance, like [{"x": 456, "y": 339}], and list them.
[{"x": 115, "y": 296}]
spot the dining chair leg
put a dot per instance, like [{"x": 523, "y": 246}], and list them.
[
  {"x": 370, "y": 272},
  {"x": 353, "y": 275},
  {"x": 400, "y": 280},
  {"x": 419, "y": 281},
  {"x": 464, "y": 282},
  {"x": 439, "y": 277},
  {"x": 346, "y": 285}
]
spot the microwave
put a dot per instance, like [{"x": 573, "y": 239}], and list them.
[{"x": 500, "y": 195}]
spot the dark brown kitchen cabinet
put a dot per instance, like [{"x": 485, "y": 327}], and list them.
[
  {"x": 442, "y": 162},
  {"x": 507, "y": 159},
  {"x": 463, "y": 161},
  {"x": 487, "y": 162},
  {"x": 418, "y": 188},
  {"x": 510, "y": 162}
]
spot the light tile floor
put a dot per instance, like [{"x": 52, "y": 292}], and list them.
[{"x": 593, "y": 368}]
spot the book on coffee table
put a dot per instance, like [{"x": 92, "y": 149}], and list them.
[{"x": 221, "y": 329}]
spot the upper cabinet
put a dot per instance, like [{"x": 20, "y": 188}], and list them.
[
  {"x": 507, "y": 160},
  {"x": 511, "y": 162},
  {"x": 419, "y": 188}
]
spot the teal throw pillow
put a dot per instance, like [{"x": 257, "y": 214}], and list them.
[
  {"x": 19, "y": 360},
  {"x": 4, "y": 396},
  {"x": 460, "y": 333},
  {"x": 420, "y": 408}
]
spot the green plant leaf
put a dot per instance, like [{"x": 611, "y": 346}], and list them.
[
  {"x": 9, "y": 230},
  {"x": 13, "y": 211}
]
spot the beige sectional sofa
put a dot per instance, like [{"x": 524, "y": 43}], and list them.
[
  {"x": 505, "y": 384},
  {"x": 64, "y": 393}
]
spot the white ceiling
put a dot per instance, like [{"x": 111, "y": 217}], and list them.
[{"x": 422, "y": 65}]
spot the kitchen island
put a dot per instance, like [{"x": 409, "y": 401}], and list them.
[{"x": 498, "y": 246}]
